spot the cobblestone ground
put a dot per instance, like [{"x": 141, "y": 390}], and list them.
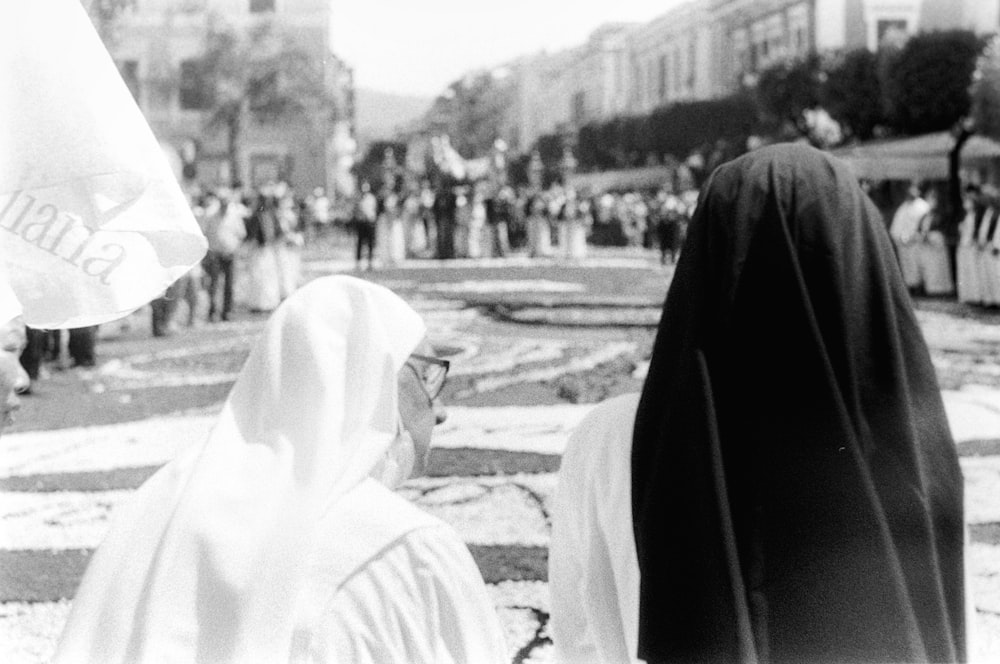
[{"x": 532, "y": 345}]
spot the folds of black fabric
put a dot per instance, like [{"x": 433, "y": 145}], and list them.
[{"x": 796, "y": 490}]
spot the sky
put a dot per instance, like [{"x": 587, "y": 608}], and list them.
[{"x": 420, "y": 46}]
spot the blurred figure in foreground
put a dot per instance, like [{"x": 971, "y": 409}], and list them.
[{"x": 13, "y": 339}]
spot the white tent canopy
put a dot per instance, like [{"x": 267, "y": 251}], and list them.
[{"x": 915, "y": 158}]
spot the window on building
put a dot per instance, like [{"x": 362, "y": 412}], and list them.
[
  {"x": 129, "y": 69},
  {"x": 692, "y": 57},
  {"x": 663, "y": 78},
  {"x": 741, "y": 50},
  {"x": 579, "y": 108},
  {"x": 261, "y": 6},
  {"x": 798, "y": 29},
  {"x": 195, "y": 89},
  {"x": 637, "y": 82},
  {"x": 677, "y": 70}
]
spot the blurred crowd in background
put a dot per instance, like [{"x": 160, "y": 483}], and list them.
[{"x": 256, "y": 237}]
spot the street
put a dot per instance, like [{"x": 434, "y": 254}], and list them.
[{"x": 533, "y": 345}]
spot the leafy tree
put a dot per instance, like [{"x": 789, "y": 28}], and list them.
[
  {"x": 852, "y": 93},
  {"x": 927, "y": 84},
  {"x": 371, "y": 168},
  {"x": 785, "y": 91},
  {"x": 472, "y": 112},
  {"x": 676, "y": 130},
  {"x": 260, "y": 75},
  {"x": 986, "y": 91}
]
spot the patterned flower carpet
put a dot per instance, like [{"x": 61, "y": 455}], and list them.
[{"x": 533, "y": 346}]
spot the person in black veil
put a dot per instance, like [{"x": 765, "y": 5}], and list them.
[{"x": 796, "y": 491}]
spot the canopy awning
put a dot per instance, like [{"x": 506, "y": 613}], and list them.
[
  {"x": 631, "y": 178},
  {"x": 915, "y": 158}
]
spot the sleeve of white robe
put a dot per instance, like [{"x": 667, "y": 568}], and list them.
[
  {"x": 422, "y": 600},
  {"x": 593, "y": 568}
]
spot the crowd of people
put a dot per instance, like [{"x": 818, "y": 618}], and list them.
[
  {"x": 692, "y": 522},
  {"x": 475, "y": 221},
  {"x": 978, "y": 253},
  {"x": 266, "y": 225},
  {"x": 917, "y": 230}
]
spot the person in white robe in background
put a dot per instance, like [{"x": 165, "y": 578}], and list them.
[
  {"x": 965, "y": 255},
  {"x": 593, "y": 569},
  {"x": 989, "y": 290},
  {"x": 933, "y": 259},
  {"x": 904, "y": 231},
  {"x": 278, "y": 539}
]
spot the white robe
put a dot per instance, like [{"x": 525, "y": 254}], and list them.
[
  {"x": 269, "y": 542},
  {"x": 411, "y": 593},
  {"x": 935, "y": 265},
  {"x": 593, "y": 567},
  {"x": 965, "y": 258},
  {"x": 989, "y": 289},
  {"x": 904, "y": 233}
]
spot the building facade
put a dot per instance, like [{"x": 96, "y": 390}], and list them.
[
  {"x": 158, "y": 48},
  {"x": 751, "y": 35},
  {"x": 705, "y": 49},
  {"x": 670, "y": 59}
]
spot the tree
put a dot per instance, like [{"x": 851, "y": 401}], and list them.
[
  {"x": 986, "y": 91},
  {"x": 852, "y": 93},
  {"x": 927, "y": 84},
  {"x": 258, "y": 76},
  {"x": 371, "y": 168},
  {"x": 785, "y": 91},
  {"x": 472, "y": 112}
]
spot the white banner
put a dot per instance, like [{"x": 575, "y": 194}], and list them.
[{"x": 92, "y": 221}]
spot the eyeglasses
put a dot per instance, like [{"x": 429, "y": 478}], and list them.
[{"x": 432, "y": 372}]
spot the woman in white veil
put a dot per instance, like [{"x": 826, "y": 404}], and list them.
[{"x": 271, "y": 542}]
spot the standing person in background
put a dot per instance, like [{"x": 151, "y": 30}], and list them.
[
  {"x": 83, "y": 346},
  {"x": 263, "y": 234},
  {"x": 427, "y": 215},
  {"x": 445, "y": 214},
  {"x": 989, "y": 288},
  {"x": 288, "y": 249},
  {"x": 461, "y": 228},
  {"x": 33, "y": 355},
  {"x": 539, "y": 231},
  {"x": 319, "y": 211},
  {"x": 965, "y": 255},
  {"x": 364, "y": 217},
  {"x": 476, "y": 223},
  {"x": 905, "y": 234},
  {"x": 225, "y": 229},
  {"x": 498, "y": 217},
  {"x": 391, "y": 240},
  {"x": 413, "y": 225},
  {"x": 669, "y": 229},
  {"x": 933, "y": 259}
]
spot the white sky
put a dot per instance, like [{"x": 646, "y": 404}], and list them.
[{"x": 420, "y": 46}]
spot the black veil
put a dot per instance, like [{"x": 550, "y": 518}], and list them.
[{"x": 796, "y": 491}]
